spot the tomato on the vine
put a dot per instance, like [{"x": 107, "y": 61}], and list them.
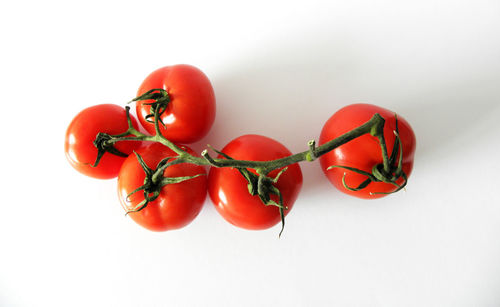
[
  {"x": 229, "y": 192},
  {"x": 82, "y": 131},
  {"x": 364, "y": 152},
  {"x": 190, "y": 113},
  {"x": 177, "y": 203}
]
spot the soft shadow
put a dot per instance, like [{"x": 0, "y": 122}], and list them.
[
  {"x": 288, "y": 90},
  {"x": 445, "y": 113}
]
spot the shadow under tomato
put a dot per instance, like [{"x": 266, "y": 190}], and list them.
[
  {"x": 289, "y": 89},
  {"x": 286, "y": 92},
  {"x": 448, "y": 114}
]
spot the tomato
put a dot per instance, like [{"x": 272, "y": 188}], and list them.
[
  {"x": 191, "y": 111},
  {"x": 82, "y": 131},
  {"x": 177, "y": 204},
  {"x": 364, "y": 152},
  {"x": 229, "y": 192}
]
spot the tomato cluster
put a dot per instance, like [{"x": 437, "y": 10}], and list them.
[{"x": 161, "y": 192}]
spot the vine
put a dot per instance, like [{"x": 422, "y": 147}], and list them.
[{"x": 259, "y": 183}]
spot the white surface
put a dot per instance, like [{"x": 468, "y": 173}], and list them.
[{"x": 65, "y": 242}]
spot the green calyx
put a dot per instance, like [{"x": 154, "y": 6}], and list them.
[
  {"x": 158, "y": 106},
  {"x": 155, "y": 181},
  {"x": 390, "y": 171},
  {"x": 103, "y": 143}
]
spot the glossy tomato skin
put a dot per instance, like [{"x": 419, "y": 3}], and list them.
[
  {"x": 229, "y": 192},
  {"x": 178, "y": 203},
  {"x": 364, "y": 152},
  {"x": 82, "y": 131},
  {"x": 191, "y": 110}
]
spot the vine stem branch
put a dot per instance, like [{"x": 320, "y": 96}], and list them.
[
  {"x": 259, "y": 184},
  {"x": 374, "y": 126}
]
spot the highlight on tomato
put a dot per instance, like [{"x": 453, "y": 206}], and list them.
[
  {"x": 229, "y": 190},
  {"x": 349, "y": 166},
  {"x": 82, "y": 132},
  {"x": 186, "y": 103},
  {"x": 170, "y": 206}
]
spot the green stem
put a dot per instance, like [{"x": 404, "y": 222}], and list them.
[
  {"x": 258, "y": 184},
  {"x": 385, "y": 156},
  {"x": 376, "y": 123}
]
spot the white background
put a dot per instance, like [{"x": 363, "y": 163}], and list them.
[{"x": 278, "y": 69}]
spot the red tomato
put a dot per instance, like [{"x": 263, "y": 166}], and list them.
[
  {"x": 177, "y": 204},
  {"x": 82, "y": 131},
  {"x": 228, "y": 188},
  {"x": 191, "y": 110},
  {"x": 364, "y": 152}
]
